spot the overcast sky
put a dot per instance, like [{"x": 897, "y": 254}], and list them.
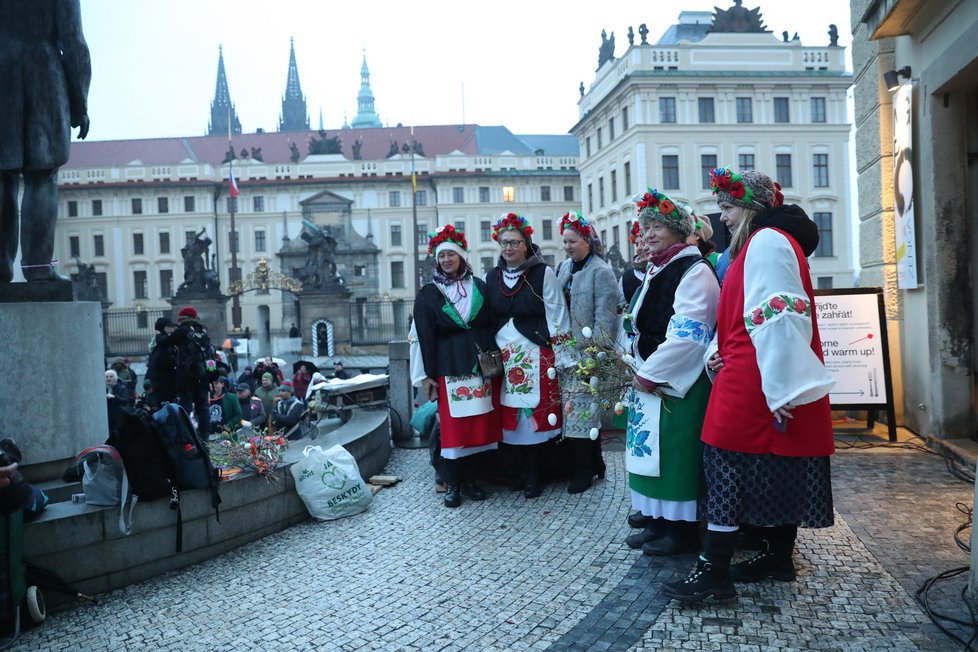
[{"x": 520, "y": 63}]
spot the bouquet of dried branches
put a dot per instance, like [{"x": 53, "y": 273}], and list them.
[
  {"x": 250, "y": 449},
  {"x": 600, "y": 378}
]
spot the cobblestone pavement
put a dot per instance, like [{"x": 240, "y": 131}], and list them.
[{"x": 549, "y": 574}]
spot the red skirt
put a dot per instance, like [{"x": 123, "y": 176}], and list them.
[{"x": 468, "y": 432}]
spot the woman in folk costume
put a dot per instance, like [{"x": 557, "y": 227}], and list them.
[
  {"x": 451, "y": 326},
  {"x": 529, "y": 316},
  {"x": 632, "y": 279},
  {"x": 591, "y": 295},
  {"x": 674, "y": 319},
  {"x": 768, "y": 430}
]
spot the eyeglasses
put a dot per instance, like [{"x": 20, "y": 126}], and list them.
[{"x": 510, "y": 244}]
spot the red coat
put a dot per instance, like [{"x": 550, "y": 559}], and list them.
[{"x": 738, "y": 417}]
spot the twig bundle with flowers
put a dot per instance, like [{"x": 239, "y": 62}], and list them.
[
  {"x": 250, "y": 449},
  {"x": 602, "y": 375}
]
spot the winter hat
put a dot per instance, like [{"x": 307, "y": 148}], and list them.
[
  {"x": 187, "y": 312},
  {"x": 702, "y": 228},
  {"x": 446, "y": 238},
  {"x": 752, "y": 190},
  {"x": 242, "y": 387},
  {"x": 162, "y": 323},
  {"x": 655, "y": 206},
  {"x": 268, "y": 375},
  {"x": 286, "y": 386}
]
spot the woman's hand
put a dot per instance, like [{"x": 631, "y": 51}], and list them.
[
  {"x": 715, "y": 363},
  {"x": 781, "y": 416},
  {"x": 430, "y": 389}
]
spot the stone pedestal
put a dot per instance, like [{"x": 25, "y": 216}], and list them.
[
  {"x": 332, "y": 306},
  {"x": 54, "y": 388},
  {"x": 401, "y": 392},
  {"x": 211, "y": 312}
]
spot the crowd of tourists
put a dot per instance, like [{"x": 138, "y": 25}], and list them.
[{"x": 728, "y": 421}]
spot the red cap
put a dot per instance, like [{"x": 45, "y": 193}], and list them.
[{"x": 187, "y": 312}]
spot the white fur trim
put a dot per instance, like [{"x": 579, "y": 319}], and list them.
[{"x": 451, "y": 246}]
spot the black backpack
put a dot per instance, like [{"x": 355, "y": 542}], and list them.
[
  {"x": 194, "y": 352},
  {"x": 151, "y": 473}
]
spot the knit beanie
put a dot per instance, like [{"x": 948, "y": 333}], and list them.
[
  {"x": 752, "y": 190},
  {"x": 187, "y": 312},
  {"x": 656, "y": 206},
  {"x": 286, "y": 386}
]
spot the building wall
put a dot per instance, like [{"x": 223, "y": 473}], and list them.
[
  {"x": 716, "y": 69},
  {"x": 933, "y": 324},
  {"x": 268, "y": 209}
]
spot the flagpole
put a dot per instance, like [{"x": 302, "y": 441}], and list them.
[
  {"x": 414, "y": 219},
  {"x": 235, "y": 272}
]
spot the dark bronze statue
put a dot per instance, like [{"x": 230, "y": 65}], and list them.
[
  {"x": 357, "y": 145},
  {"x": 607, "y": 50},
  {"x": 197, "y": 278},
  {"x": 643, "y": 31},
  {"x": 86, "y": 285},
  {"x": 325, "y": 145},
  {"x": 319, "y": 272},
  {"x": 45, "y": 71},
  {"x": 737, "y": 19},
  {"x": 833, "y": 35},
  {"x": 293, "y": 152},
  {"x": 631, "y": 35}
]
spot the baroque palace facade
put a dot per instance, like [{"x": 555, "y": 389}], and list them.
[{"x": 717, "y": 89}]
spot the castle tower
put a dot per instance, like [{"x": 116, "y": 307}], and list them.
[
  {"x": 222, "y": 107},
  {"x": 366, "y": 116},
  {"x": 294, "y": 115}
]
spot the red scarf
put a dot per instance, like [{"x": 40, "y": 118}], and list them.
[{"x": 666, "y": 255}]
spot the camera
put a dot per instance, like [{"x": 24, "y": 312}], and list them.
[{"x": 16, "y": 494}]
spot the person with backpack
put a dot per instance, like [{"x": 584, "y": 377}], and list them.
[
  {"x": 194, "y": 352},
  {"x": 161, "y": 366}
]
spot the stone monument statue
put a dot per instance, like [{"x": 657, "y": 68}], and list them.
[
  {"x": 86, "y": 286},
  {"x": 643, "y": 31},
  {"x": 197, "y": 278},
  {"x": 319, "y": 271},
  {"x": 607, "y": 50},
  {"x": 631, "y": 35},
  {"x": 833, "y": 35},
  {"x": 737, "y": 19},
  {"x": 45, "y": 71}
]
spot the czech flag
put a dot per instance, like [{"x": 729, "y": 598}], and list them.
[{"x": 234, "y": 184}]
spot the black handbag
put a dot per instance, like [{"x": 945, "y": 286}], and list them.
[{"x": 491, "y": 363}]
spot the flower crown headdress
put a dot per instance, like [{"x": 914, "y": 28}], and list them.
[
  {"x": 660, "y": 203},
  {"x": 446, "y": 233},
  {"x": 726, "y": 180},
  {"x": 512, "y": 222},
  {"x": 635, "y": 233},
  {"x": 576, "y": 222}
]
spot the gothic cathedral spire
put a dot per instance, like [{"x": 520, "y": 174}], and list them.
[
  {"x": 294, "y": 114},
  {"x": 366, "y": 116},
  {"x": 222, "y": 109}
]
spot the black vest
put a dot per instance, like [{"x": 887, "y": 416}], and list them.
[
  {"x": 630, "y": 285},
  {"x": 657, "y": 308},
  {"x": 524, "y": 306}
]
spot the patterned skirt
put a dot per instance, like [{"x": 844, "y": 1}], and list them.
[{"x": 766, "y": 490}]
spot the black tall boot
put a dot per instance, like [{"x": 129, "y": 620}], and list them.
[
  {"x": 681, "y": 537},
  {"x": 774, "y": 559},
  {"x": 597, "y": 461},
  {"x": 450, "y": 474},
  {"x": 711, "y": 577},
  {"x": 470, "y": 489},
  {"x": 531, "y": 470},
  {"x": 583, "y": 474},
  {"x": 656, "y": 527}
]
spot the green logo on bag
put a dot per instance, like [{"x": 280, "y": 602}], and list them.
[
  {"x": 305, "y": 475},
  {"x": 333, "y": 477}
]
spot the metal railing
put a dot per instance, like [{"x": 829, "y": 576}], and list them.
[
  {"x": 128, "y": 331},
  {"x": 379, "y": 322}
]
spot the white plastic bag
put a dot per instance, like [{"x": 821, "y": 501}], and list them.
[{"x": 329, "y": 483}]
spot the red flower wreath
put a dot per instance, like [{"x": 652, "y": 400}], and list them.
[
  {"x": 576, "y": 222},
  {"x": 635, "y": 233},
  {"x": 648, "y": 200},
  {"x": 446, "y": 233},
  {"x": 512, "y": 221}
]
